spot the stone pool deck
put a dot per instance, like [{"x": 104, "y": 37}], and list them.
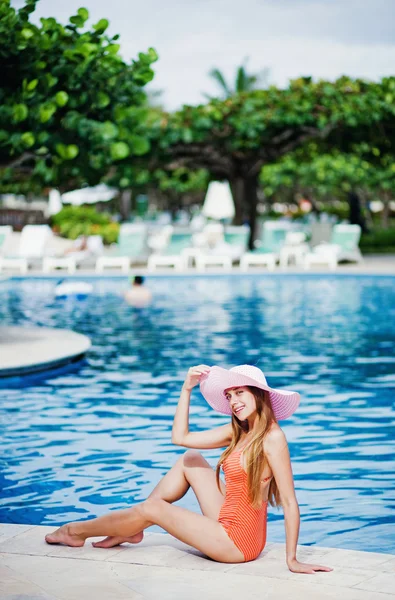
[
  {"x": 26, "y": 350},
  {"x": 162, "y": 568}
]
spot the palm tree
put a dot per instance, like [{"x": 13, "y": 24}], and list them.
[{"x": 244, "y": 81}]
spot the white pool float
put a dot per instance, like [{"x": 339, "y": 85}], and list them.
[{"x": 75, "y": 289}]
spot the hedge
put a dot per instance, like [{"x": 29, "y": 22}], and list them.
[{"x": 74, "y": 221}]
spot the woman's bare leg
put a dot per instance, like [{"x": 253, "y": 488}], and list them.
[
  {"x": 191, "y": 470},
  {"x": 198, "y": 531}
]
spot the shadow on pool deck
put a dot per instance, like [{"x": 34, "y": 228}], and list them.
[{"x": 162, "y": 568}]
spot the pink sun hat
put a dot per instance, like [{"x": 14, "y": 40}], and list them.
[{"x": 213, "y": 386}]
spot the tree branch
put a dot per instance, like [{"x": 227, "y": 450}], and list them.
[
  {"x": 226, "y": 164},
  {"x": 19, "y": 161},
  {"x": 285, "y": 135},
  {"x": 201, "y": 156},
  {"x": 306, "y": 133}
]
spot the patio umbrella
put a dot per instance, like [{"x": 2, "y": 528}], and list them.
[
  {"x": 90, "y": 195},
  {"x": 55, "y": 202},
  {"x": 218, "y": 203}
]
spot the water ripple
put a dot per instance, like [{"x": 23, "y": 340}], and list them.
[{"x": 96, "y": 436}]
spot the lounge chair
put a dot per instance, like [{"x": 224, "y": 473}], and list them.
[
  {"x": 131, "y": 248},
  {"x": 94, "y": 248},
  {"x": 173, "y": 253},
  {"x": 229, "y": 246},
  {"x": 295, "y": 247},
  {"x": 236, "y": 237},
  {"x": 267, "y": 251},
  {"x": 213, "y": 234},
  {"x": 5, "y": 234},
  {"x": 213, "y": 260},
  {"x": 342, "y": 246},
  {"x": 159, "y": 238},
  {"x": 204, "y": 243},
  {"x": 32, "y": 246}
]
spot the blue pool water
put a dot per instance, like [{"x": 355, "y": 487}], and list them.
[{"x": 95, "y": 436}]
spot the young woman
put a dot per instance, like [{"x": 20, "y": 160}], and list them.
[{"x": 257, "y": 467}]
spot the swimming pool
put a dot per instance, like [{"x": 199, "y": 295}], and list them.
[{"x": 95, "y": 436}]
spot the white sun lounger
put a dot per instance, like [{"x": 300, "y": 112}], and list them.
[
  {"x": 173, "y": 254},
  {"x": 131, "y": 248},
  {"x": 342, "y": 246},
  {"x": 268, "y": 251},
  {"x": 32, "y": 246},
  {"x": 70, "y": 262}
]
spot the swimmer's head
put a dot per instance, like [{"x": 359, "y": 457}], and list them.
[{"x": 138, "y": 280}]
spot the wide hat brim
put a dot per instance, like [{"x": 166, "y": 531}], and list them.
[{"x": 212, "y": 386}]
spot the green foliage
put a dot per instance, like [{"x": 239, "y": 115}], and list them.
[
  {"x": 251, "y": 129},
  {"x": 119, "y": 150},
  {"x": 330, "y": 174},
  {"x": 80, "y": 213},
  {"x": 379, "y": 240},
  {"x": 68, "y": 102},
  {"x": 339, "y": 209},
  {"x": 73, "y": 221},
  {"x": 181, "y": 180},
  {"x": 234, "y": 138},
  {"x": 72, "y": 111}
]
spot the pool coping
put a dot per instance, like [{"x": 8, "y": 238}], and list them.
[
  {"x": 84, "y": 276},
  {"x": 50, "y": 347},
  {"x": 163, "y": 567},
  {"x": 373, "y": 265}
]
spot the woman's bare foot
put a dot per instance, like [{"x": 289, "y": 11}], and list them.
[
  {"x": 116, "y": 540},
  {"x": 64, "y": 535}
]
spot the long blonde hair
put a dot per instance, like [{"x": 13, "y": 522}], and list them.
[{"x": 255, "y": 457}]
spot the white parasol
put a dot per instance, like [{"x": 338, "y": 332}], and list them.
[
  {"x": 218, "y": 203},
  {"x": 55, "y": 202},
  {"x": 90, "y": 195}
]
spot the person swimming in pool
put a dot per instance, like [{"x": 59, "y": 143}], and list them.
[
  {"x": 257, "y": 468},
  {"x": 138, "y": 295}
]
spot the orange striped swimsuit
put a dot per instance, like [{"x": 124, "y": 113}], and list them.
[{"x": 245, "y": 525}]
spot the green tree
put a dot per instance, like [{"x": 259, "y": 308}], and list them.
[
  {"x": 70, "y": 107},
  {"x": 180, "y": 186},
  {"x": 171, "y": 188},
  {"x": 234, "y": 138},
  {"x": 354, "y": 176}
]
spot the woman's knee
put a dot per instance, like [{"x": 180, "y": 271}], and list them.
[{"x": 193, "y": 458}]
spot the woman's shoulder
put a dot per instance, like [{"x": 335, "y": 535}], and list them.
[{"x": 275, "y": 439}]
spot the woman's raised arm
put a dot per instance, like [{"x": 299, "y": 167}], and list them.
[{"x": 181, "y": 436}]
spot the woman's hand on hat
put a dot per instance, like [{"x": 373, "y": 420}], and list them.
[
  {"x": 194, "y": 375},
  {"x": 298, "y": 567}
]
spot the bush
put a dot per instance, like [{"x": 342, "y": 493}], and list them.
[
  {"x": 379, "y": 240},
  {"x": 74, "y": 221}
]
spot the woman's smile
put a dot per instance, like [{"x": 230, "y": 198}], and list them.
[{"x": 241, "y": 400}]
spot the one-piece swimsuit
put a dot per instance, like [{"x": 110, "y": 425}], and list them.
[{"x": 244, "y": 524}]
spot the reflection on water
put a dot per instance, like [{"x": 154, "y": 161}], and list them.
[{"x": 96, "y": 436}]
